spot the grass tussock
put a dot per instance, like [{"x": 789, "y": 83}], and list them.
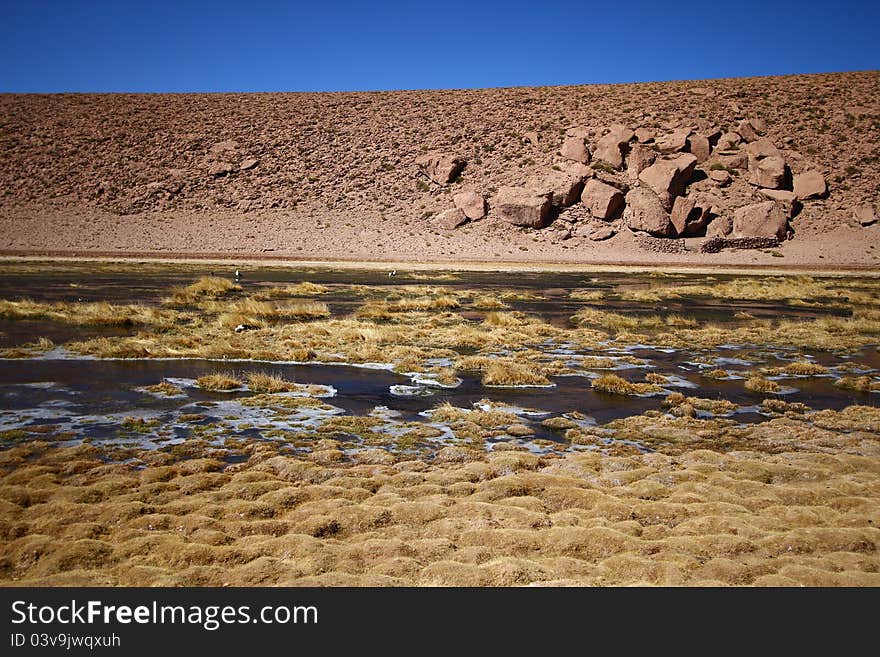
[
  {"x": 165, "y": 388},
  {"x": 218, "y": 381},
  {"x": 267, "y": 382},
  {"x": 799, "y": 368},
  {"x": 506, "y": 373},
  {"x": 858, "y": 383},
  {"x": 586, "y": 295},
  {"x": 488, "y": 302},
  {"x": 206, "y": 287},
  {"x": 615, "y": 385},
  {"x": 758, "y": 383},
  {"x": 304, "y": 289},
  {"x": 98, "y": 313}
]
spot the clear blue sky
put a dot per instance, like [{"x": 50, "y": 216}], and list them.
[{"x": 254, "y": 45}]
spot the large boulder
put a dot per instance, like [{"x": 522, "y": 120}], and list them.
[
  {"x": 810, "y": 184},
  {"x": 603, "y": 201},
  {"x": 450, "y": 219},
  {"x": 575, "y": 149},
  {"x": 785, "y": 198},
  {"x": 440, "y": 167},
  {"x": 644, "y": 212},
  {"x": 690, "y": 215},
  {"x": 728, "y": 141},
  {"x": 563, "y": 188},
  {"x": 749, "y": 131},
  {"x": 675, "y": 141},
  {"x": 613, "y": 146},
  {"x": 580, "y": 171},
  {"x": 473, "y": 205},
  {"x": 522, "y": 207},
  {"x": 770, "y": 173},
  {"x": 721, "y": 227},
  {"x": 668, "y": 178},
  {"x": 644, "y": 135},
  {"x": 767, "y": 219},
  {"x": 699, "y": 145},
  {"x": 638, "y": 159}
]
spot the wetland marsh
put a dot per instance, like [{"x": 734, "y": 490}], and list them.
[{"x": 176, "y": 424}]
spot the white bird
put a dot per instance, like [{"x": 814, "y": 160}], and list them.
[
  {"x": 237, "y": 274},
  {"x": 393, "y": 272}
]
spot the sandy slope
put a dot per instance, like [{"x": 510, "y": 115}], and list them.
[{"x": 335, "y": 173}]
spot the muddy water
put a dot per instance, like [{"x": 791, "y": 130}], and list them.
[{"x": 80, "y": 399}]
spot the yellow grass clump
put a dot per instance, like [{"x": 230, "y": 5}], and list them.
[
  {"x": 758, "y": 383},
  {"x": 218, "y": 381},
  {"x": 507, "y": 373},
  {"x": 269, "y": 383},
  {"x": 615, "y": 385},
  {"x": 799, "y": 368},
  {"x": 304, "y": 289},
  {"x": 859, "y": 383},
  {"x": 164, "y": 388},
  {"x": 206, "y": 287}
]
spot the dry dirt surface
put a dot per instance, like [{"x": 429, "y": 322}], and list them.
[{"x": 335, "y": 175}]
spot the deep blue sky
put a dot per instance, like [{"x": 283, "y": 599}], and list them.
[{"x": 254, "y": 45}]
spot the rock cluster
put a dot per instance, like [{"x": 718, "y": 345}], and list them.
[{"x": 734, "y": 186}]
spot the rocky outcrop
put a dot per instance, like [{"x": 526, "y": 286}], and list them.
[
  {"x": 440, "y": 167},
  {"x": 613, "y": 146},
  {"x": 770, "y": 173},
  {"x": 810, "y": 184},
  {"x": 473, "y": 205},
  {"x": 563, "y": 188},
  {"x": 522, "y": 207},
  {"x": 575, "y": 149},
  {"x": 602, "y": 200},
  {"x": 667, "y": 178},
  {"x": 767, "y": 219},
  {"x": 450, "y": 219},
  {"x": 638, "y": 159},
  {"x": 644, "y": 212}
]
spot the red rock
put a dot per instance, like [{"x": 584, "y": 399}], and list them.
[
  {"x": 644, "y": 212},
  {"x": 767, "y": 219},
  {"x": 699, "y": 146},
  {"x": 450, "y": 219},
  {"x": 770, "y": 173},
  {"x": 865, "y": 215},
  {"x": 575, "y": 149},
  {"x": 440, "y": 167},
  {"x": 810, "y": 184},
  {"x": 668, "y": 178},
  {"x": 675, "y": 141},
  {"x": 522, "y": 207},
  {"x": 681, "y": 209},
  {"x": 603, "y": 201},
  {"x": 602, "y": 233},
  {"x": 473, "y": 205},
  {"x": 721, "y": 177},
  {"x": 563, "y": 188},
  {"x": 638, "y": 159}
]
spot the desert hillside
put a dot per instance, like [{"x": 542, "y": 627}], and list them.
[{"x": 558, "y": 172}]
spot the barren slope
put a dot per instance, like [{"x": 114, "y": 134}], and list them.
[{"x": 334, "y": 174}]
